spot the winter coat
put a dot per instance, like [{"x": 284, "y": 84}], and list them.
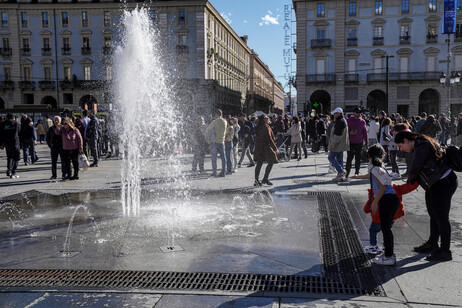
[
  {"x": 338, "y": 138},
  {"x": 265, "y": 147},
  {"x": 9, "y": 133},
  {"x": 295, "y": 133},
  {"x": 72, "y": 140},
  {"x": 400, "y": 191},
  {"x": 54, "y": 141},
  {"x": 425, "y": 168},
  {"x": 430, "y": 128},
  {"x": 41, "y": 129},
  {"x": 93, "y": 128},
  {"x": 28, "y": 133}
]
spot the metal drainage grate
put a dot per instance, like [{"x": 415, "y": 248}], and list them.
[
  {"x": 343, "y": 254},
  {"x": 175, "y": 281},
  {"x": 313, "y": 181}
]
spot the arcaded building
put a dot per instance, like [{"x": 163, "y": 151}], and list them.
[{"x": 343, "y": 48}]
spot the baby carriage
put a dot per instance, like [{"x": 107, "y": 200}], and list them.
[{"x": 281, "y": 143}]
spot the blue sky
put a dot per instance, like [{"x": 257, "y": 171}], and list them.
[{"x": 263, "y": 21}]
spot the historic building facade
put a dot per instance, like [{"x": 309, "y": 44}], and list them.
[
  {"x": 57, "y": 55},
  {"x": 343, "y": 48}
]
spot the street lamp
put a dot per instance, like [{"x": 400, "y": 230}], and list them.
[{"x": 449, "y": 81}]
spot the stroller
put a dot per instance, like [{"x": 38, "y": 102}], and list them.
[{"x": 281, "y": 143}]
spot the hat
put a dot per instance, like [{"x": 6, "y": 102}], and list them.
[{"x": 337, "y": 110}]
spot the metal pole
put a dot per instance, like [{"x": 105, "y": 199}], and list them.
[
  {"x": 447, "y": 81},
  {"x": 387, "y": 79}
]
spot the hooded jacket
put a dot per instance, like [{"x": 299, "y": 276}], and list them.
[{"x": 338, "y": 138}]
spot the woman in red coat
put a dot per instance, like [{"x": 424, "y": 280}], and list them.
[{"x": 265, "y": 150}]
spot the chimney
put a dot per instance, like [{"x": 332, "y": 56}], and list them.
[{"x": 245, "y": 38}]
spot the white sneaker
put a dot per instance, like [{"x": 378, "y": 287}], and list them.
[
  {"x": 382, "y": 260},
  {"x": 332, "y": 169},
  {"x": 339, "y": 177},
  {"x": 373, "y": 250}
]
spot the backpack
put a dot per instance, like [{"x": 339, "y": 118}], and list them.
[{"x": 453, "y": 158}]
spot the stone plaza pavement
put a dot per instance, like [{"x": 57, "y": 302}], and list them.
[{"x": 414, "y": 282}]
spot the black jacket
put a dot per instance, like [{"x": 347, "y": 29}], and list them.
[
  {"x": 54, "y": 141},
  {"x": 459, "y": 128},
  {"x": 425, "y": 168},
  {"x": 93, "y": 128},
  {"x": 9, "y": 133},
  {"x": 28, "y": 133}
]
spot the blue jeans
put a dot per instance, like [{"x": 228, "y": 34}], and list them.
[
  {"x": 28, "y": 148},
  {"x": 336, "y": 159},
  {"x": 229, "y": 160},
  {"x": 216, "y": 148},
  {"x": 374, "y": 229}
]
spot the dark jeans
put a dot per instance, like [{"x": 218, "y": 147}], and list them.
[
  {"x": 388, "y": 205},
  {"x": 323, "y": 143},
  {"x": 12, "y": 158},
  {"x": 267, "y": 170},
  {"x": 394, "y": 165},
  {"x": 438, "y": 200},
  {"x": 198, "y": 159},
  {"x": 355, "y": 151},
  {"x": 29, "y": 149},
  {"x": 55, "y": 153},
  {"x": 93, "y": 142},
  {"x": 68, "y": 157}
]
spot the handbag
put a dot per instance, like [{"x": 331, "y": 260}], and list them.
[{"x": 83, "y": 162}]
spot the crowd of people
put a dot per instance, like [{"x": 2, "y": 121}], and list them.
[
  {"x": 66, "y": 138},
  {"x": 379, "y": 140}
]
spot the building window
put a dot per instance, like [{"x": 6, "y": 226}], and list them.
[
  {"x": 459, "y": 5},
  {"x": 46, "y": 49},
  {"x": 378, "y": 7},
  {"x": 44, "y": 19},
  {"x": 24, "y": 20},
  {"x": 377, "y": 65},
  {"x": 152, "y": 15},
  {"x": 66, "y": 49},
  {"x": 84, "y": 19},
  {"x": 67, "y": 73},
  {"x": 432, "y": 35},
  {"x": 4, "y": 20},
  {"x": 352, "y": 9},
  {"x": 378, "y": 32},
  {"x": 181, "y": 17},
  {"x": 404, "y": 34},
  {"x": 47, "y": 73},
  {"x": 320, "y": 66},
  {"x": 458, "y": 33},
  {"x": 320, "y": 34},
  {"x": 86, "y": 50},
  {"x": 6, "y": 43},
  {"x": 26, "y": 73},
  {"x": 87, "y": 73},
  {"x": 65, "y": 19},
  {"x": 25, "y": 47},
  {"x": 404, "y": 6},
  {"x": 351, "y": 66},
  {"x": 321, "y": 10},
  {"x": 432, "y": 5},
  {"x": 6, "y": 74},
  {"x": 107, "y": 72},
  {"x": 107, "y": 19},
  {"x": 403, "y": 64},
  {"x": 431, "y": 64}
]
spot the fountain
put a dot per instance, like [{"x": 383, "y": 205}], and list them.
[{"x": 146, "y": 105}]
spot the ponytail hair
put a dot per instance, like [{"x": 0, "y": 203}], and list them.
[{"x": 377, "y": 154}]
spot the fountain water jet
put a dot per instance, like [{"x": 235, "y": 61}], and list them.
[{"x": 146, "y": 105}]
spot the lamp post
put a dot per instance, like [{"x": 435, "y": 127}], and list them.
[
  {"x": 449, "y": 80},
  {"x": 387, "y": 76}
]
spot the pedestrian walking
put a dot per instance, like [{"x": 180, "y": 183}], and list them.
[
  {"x": 265, "y": 150},
  {"x": 295, "y": 138},
  {"x": 72, "y": 147},
  {"x": 431, "y": 127},
  {"x": 9, "y": 139},
  {"x": 198, "y": 144},
  {"x": 229, "y": 136},
  {"x": 29, "y": 140},
  {"x": 218, "y": 130},
  {"x": 373, "y": 130},
  {"x": 338, "y": 142},
  {"x": 357, "y": 134},
  {"x": 92, "y": 136},
  {"x": 41, "y": 131}
]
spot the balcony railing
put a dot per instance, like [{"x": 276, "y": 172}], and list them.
[
  {"x": 321, "y": 43},
  {"x": 352, "y": 41},
  {"x": 351, "y": 78},
  {"x": 5, "y": 52},
  {"x": 66, "y": 51},
  {"x": 86, "y": 50},
  {"x": 320, "y": 78},
  {"x": 377, "y": 40},
  {"x": 404, "y": 76},
  {"x": 182, "y": 48},
  {"x": 84, "y": 23},
  {"x": 25, "y": 51},
  {"x": 25, "y": 84},
  {"x": 46, "y": 84},
  {"x": 7, "y": 85},
  {"x": 432, "y": 38},
  {"x": 46, "y": 51},
  {"x": 405, "y": 40},
  {"x": 87, "y": 84},
  {"x": 107, "y": 50},
  {"x": 66, "y": 84}
]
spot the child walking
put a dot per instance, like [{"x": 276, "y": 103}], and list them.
[
  {"x": 375, "y": 226},
  {"x": 384, "y": 194}
]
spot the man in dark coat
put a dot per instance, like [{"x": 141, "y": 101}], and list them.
[
  {"x": 92, "y": 136},
  {"x": 55, "y": 143},
  {"x": 9, "y": 139}
]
